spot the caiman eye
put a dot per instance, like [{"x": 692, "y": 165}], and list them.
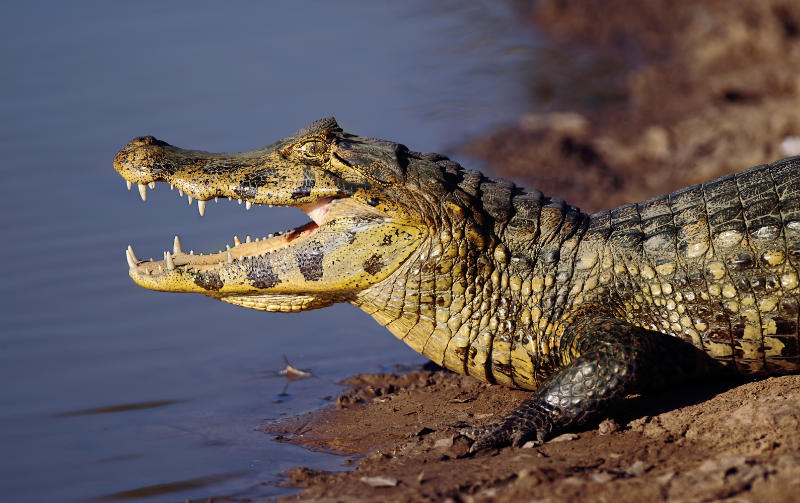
[{"x": 313, "y": 148}]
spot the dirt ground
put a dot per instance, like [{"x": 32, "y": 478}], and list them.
[
  {"x": 698, "y": 89},
  {"x": 710, "y": 442}
]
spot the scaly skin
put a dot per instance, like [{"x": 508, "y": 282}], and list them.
[{"x": 503, "y": 284}]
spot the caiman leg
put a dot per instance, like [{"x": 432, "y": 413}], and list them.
[{"x": 604, "y": 359}]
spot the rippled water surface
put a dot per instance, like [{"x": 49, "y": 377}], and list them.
[{"x": 112, "y": 392}]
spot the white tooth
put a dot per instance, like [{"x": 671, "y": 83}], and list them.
[
  {"x": 270, "y": 235},
  {"x": 230, "y": 259},
  {"x": 172, "y": 186},
  {"x": 241, "y": 259},
  {"x": 176, "y": 245},
  {"x": 168, "y": 259},
  {"x": 216, "y": 199},
  {"x": 240, "y": 201},
  {"x": 247, "y": 239},
  {"x": 236, "y": 241},
  {"x": 248, "y": 205},
  {"x": 152, "y": 185},
  {"x": 180, "y": 192},
  {"x": 143, "y": 191},
  {"x": 228, "y": 247},
  {"x": 131, "y": 257},
  {"x": 190, "y": 200},
  {"x": 191, "y": 252},
  {"x": 160, "y": 269},
  {"x": 270, "y": 205},
  {"x": 128, "y": 184},
  {"x": 201, "y": 207}
]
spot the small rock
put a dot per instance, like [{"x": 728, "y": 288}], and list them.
[
  {"x": 608, "y": 426},
  {"x": 566, "y": 437},
  {"x": 443, "y": 443},
  {"x": 666, "y": 478},
  {"x": 380, "y": 481},
  {"x": 531, "y": 444},
  {"x": 602, "y": 477},
  {"x": 636, "y": 469},
  {"x": 790, "y": 146}
]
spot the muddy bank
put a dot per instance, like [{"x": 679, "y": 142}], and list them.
[
  {"x": 700, "y": 443},
  {"x": 699, "y": 89},
  {"x": 702, "y": 89}
]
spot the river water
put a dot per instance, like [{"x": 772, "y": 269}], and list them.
[{"x": 111, "y": 392}]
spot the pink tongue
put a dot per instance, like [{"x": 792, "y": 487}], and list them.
[{"x": 317, "y": 210}]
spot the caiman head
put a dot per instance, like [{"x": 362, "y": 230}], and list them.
[{"x": 367, "y": 217}]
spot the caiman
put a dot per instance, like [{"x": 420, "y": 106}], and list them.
[{"x": 498, "y": 282}]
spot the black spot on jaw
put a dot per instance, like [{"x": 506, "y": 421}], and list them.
[
  {"x": 310, "y": 263},
  {"x": 309, "y": 181},
  {"x": 374, "y": 264},
  {"x": 263, "y": 276},
  {"x": 208, "y": 281},
  {"x": 245, "y": 192}
]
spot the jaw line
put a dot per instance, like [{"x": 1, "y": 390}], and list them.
[{"x": 317, "y": 211}]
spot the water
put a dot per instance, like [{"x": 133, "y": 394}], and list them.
[{"x": 112, "y": 392}]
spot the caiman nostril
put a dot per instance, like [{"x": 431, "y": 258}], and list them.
[{"x": 144, "y": 141}]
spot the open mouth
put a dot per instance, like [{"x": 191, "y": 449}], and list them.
[{"x": 238, "y": 250}]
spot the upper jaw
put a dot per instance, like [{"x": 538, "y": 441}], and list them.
[{"x": 263, "y": 176}]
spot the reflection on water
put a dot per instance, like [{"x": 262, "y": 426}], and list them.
[
  {"x": 112, "y": 390},
  {"x": 170, "y": 487},
  {"x": 119, "y": 408}
]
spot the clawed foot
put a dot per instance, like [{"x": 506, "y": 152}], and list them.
[{"x": 501, "y": 434}]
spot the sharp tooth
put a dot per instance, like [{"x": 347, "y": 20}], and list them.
[
  {"x": 168, "y": 259},
  {"x": 228, "y": 247},
  {"x": 143, "y": 191},
  {"x": 172, "y": 186},
  {"x": 201, "y": 207},
  {"x": 240, "y": 201},
  {"x": 128, "y": 184},
  {"x": 152, "y": 185},
  {"x": 270, "y": 235},
  {"x": 176, "y": 245},
  {"x": 191, "y": 252},
  {"x": 180, "y": 192},
  {"x": 216, "y": 199},
  {"x": 241, "y": 259},
  {"x": 230, "y": 258},
  {"x": 236, "y": 241},
  {"x": 190, "y": 200},
  {"x": 270, "y": 205},
  {"x": 131, "y": 257},
  {"x": 247, "y": 239},
  {"x": 248, "y": 205}
]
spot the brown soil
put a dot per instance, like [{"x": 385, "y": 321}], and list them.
[
  {"x": 693, "y": 444},
  {"x": 707, "y": 88}
]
